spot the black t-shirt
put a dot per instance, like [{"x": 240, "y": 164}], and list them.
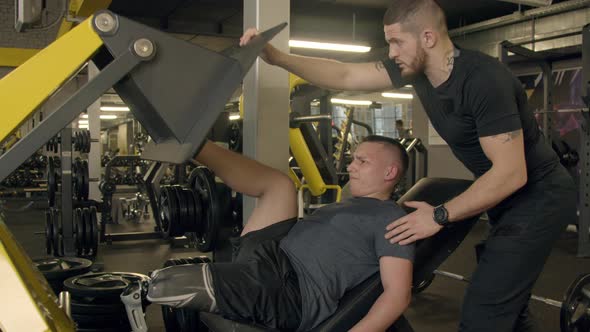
[{"x": 481, "y": 98}]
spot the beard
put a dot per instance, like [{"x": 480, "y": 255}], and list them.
[{"x": 416, "y": 66}]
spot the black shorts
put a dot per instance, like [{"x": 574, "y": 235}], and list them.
[{"x": 260, "y": 286}]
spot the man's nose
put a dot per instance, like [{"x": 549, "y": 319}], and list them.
[
  {"x": 350, "y": 167},
  {"x": 393, "y": 53}
]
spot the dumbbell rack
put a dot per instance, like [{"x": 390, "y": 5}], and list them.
[{"x": 107, "y": 188}]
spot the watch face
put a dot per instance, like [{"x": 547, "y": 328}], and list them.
[{"x": 440, "y": 214}]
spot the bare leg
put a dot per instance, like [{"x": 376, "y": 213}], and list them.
[{"x": 277, "y": 198}]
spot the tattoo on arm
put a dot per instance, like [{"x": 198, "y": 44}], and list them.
[
  {"x": 379, "y": 65},
  {"x": 507, "y": 137}
]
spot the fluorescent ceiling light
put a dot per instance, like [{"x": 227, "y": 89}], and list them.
[
  {"x": 234, "y": 116},
  {"x": 397, "y": 95},
  {"x": 351, "y": 102},
  {"x": 329, "y": 46},
  {"x": 115, "y": 108},
  {"x": 83, "y": 122},
  {"x": 82, "y": 126},
  {"x": 102, "y": 116}
]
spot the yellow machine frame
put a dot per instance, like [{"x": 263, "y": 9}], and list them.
[
  {"x": 22, "y": 92},
  {"x": 314, "y": 181}
]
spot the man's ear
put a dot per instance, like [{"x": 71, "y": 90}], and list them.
[
  {"x": 429, "y": 38},
  {"x": 391, "y": 173}
]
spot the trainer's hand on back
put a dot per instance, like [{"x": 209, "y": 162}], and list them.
[{"x": 414, "y": 226}]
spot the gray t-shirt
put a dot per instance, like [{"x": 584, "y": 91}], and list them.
[{"x": 337, "y": 248}]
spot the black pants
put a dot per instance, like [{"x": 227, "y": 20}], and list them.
[
  {"x": 524, "y": 229},
  {"x": 260, "y": 286}
]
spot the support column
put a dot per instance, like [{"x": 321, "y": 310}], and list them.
[
  {"x": 93, "y": 112},
  {"x": 266, "y": 94}
]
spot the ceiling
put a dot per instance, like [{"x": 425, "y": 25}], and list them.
[
  {"x": 326, "y": 20},
  {"x": 217, "y": 24}
]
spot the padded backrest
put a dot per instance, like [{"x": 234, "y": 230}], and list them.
[{"x": 430, "y": 252}]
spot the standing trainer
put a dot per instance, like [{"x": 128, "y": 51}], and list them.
[{"x": 480, "y": 109}]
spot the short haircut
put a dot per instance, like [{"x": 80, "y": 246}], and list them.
[
  {"x": 399, "y": 122},
  {"x": 394, "y": 145},
  {"x": 405, "y": 12}
]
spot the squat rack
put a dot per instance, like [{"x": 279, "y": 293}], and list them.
[{"x": 584, "y": 164}]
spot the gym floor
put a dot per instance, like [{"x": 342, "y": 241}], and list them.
[{"x": 435, "y": 309}]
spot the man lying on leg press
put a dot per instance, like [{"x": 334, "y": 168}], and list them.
[{"x": 289, "y": 274}]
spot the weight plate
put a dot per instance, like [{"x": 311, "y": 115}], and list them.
[
  {"x": 94, "y": 222},
  {"x": 76, "y": 179},
  {"x": 85, "y": 181},
  {"x": 422, "y": 285},
  {"x": 48, "y": 232},
  {"x": 88, "y": 141},
  {"x": 103, "y": 284},
  {"x": 51, "y": 181},
  {"x": 77, "y": 215},
  {"x": 60, "y": 237},
  {"x": 76, "y": 141},
  {"x": 189, "y": 198},
  {"x": 56, "y": 231},
  {"x": 164, "y": 210},
  {"x": 574, "y": 316},
  {"x": 62, "y": 268},
  {"x": 75, "y": 182},
  {"x": 197, "y": 224},
  {"x": 85, "y": 141},
  {"x": 202, "y": 182},
  {"x": 88, "y": 231},
  {"x": 169, "y": 214},
  {"x": 80, "y": 235},
  {"x": 98, "y": 321},
  {"x": 189, "y": 206},
  {"x": 182, "y": 209},
  {"x": 60, "y": 247},
  {"x": 175, "y": 221},
  {"x": 84, "y": 308},
  {"x": 235, "y": 136}
]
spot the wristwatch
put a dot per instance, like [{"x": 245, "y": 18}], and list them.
[{"x": 441, "y": 215}]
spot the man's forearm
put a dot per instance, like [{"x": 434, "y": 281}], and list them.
[
  {"x": 485, "y": 193},
  {"x": 384, "y": 312},
  {"x": 324, "y": 73}
]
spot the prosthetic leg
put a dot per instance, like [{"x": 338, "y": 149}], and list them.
[{"x": 181, "y": 286}]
